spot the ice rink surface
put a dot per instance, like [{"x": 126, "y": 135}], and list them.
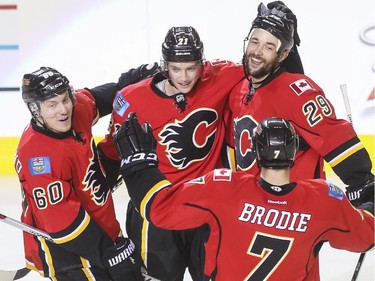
[{"x": 336, "y": 265}]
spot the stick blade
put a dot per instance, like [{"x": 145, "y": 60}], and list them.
[
  {"x": 10, "y": 275},
  {"x": 21, "y": 273}
]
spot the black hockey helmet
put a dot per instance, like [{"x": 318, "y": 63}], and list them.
[
  {"x": 43, "y": 84},
  {"x": 275, "y": 143},
  {"x": 182, "y": 44},
  {"x": 275, "y": 22}
]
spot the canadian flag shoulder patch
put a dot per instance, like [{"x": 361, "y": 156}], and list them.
[
  {"x": 222, "y": 175},
  {"x": 300, "y": 86}
]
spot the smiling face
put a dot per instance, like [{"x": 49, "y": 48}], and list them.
[
  {"x": 261, "y": 54},
  {"x": 56, "y": 113},
  {"x": 184, "y": 75}
]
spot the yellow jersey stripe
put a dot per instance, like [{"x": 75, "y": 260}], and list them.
[
  {"x": 83, "y": 225},
  {"x": 145, "y": 226},
  {"x": 341, "y": 157},
  {"x": 149, "y": 194},
  {"x": 48, "y": 257}
]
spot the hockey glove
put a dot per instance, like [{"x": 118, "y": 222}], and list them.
[
  {"x": 362, "y": 195},
  {"x": 135, "y": 75},
  {"x": 122, "y": 261},
  {"x": 280, "y": 6},
  {"x": 293, "y": 62},
  {"x": 368, "y": 206},
  {"x": 135, "y": 145}
]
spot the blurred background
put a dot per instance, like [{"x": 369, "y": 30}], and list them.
[{"x": 92, "y": 42}]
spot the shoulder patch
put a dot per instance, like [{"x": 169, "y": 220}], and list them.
[
  {"x": 40, "y": 165},
  {"x": 222, "y": 175},
  {"x": 335, "y": 191},
  {"x": 217, "y": 62},
  {"x": 300, "y": 86},
  {"x": 120, "y": 104},
  {"x": 199, "y": 180}
]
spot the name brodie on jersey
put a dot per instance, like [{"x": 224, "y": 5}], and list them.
[{"x": 273, "y": 218}]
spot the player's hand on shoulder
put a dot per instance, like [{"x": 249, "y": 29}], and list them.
[
  {"x": 135, "y": 75},
  {"x": 280, "y": 6},
  {"x": 135, "y": 145},
  {"x": 123, "y": 261},
  {"x": 362, "y": 195}
]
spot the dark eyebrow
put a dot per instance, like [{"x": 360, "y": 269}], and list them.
[{"x": 267, "y": 43}]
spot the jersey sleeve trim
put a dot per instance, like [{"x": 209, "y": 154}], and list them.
[
  {"x": 81, "y": 224},
  {"x": 158, "y": 186},
  {"x": 345, "y": 154}
]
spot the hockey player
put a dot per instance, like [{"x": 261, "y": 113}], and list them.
[
  {"x": 248, "y": 216},
  {"x": 64, "y": 190},
  {"x": 272, "y": 90},
  {"x": 185, "y": 105}
]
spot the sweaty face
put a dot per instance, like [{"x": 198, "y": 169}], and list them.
[
  {"x": 57, "y": 113},
  {"x": 184, "y": 75},
  {"x": 261, "y": 53}
]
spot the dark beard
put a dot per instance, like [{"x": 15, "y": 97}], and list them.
[
  {"x": 265, "y": 70},
  {"x": 261, "y": 72}
]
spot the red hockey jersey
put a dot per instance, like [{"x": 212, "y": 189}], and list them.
[
  {"x": 189, "y": 141},
  {"x": 258, "y": 231},
  {"x": 65, "y": 193},
  {"x": 300, "y": 100}
]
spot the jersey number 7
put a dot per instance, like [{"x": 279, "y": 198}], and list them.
[{"x": 272, "y": 250}]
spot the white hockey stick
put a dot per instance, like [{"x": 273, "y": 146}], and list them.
[
  {"x": 6, "y": 275},
  {"x": 346, "y": 103},
  {"x": 349, "y": 114},
  {"x": 25, "y": 227}
]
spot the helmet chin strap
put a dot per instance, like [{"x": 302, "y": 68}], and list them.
[
  {"x": 34, "y": 108},
  {"x": 39, "y": 121},
  {"x": 171, "y": 82}
]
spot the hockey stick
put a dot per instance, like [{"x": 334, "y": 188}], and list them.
[
  {"x": 17, "y": 274},
  {"x": 25, "y": 227},
  {"x": 8, "y": 275},
  {"x": 346, "y": 103},
  {"x": 358, "y": 266},
  {"x": 349, "y": 114}
]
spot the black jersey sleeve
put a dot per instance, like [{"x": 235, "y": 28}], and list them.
[{"x": 104, "y": 95}]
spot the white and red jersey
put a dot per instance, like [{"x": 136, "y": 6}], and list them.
[
  {"x": 189, "y": 141},
  {"x": 258, "y": 231},
  {"x": 300, "y": 100},
  {"x": 65, "y": 192}
]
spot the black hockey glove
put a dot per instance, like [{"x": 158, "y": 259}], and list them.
[
  {"x": 293, "y": 62},
  {"x": 135, "y": 75},
  {"x": 368, "y": 206},
  {"x": 362, "y": 195},
  {"x": 122, "y": 261},
  {"x": 135, "y": 145},
  {"x": 280, "y": 6}
]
